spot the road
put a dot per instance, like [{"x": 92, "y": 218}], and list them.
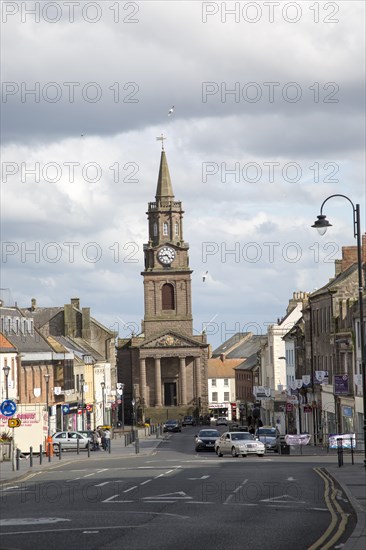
[{"x": 176, "y": 498}]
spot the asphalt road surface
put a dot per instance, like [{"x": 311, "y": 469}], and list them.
[{"x": 176, "y": 499}]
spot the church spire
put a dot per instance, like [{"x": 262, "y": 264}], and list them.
[{"x": 164, "y": 189}]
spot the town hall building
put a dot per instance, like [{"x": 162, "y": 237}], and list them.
[{"x": 166, "y": 365}]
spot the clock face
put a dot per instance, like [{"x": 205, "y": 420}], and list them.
[{"x": 166, "y": 255}]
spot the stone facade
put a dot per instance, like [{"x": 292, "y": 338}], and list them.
[{"x": 166, "y": 365}]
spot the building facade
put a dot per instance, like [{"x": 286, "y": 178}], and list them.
[{"x": 165, "y": 365}]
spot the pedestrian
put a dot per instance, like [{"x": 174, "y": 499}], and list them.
[
  {"x": 102, "y": 436},
  {"x": 95, "y": 441},
  {"x": 251, "y": 430},
  {"x": 107, "y": 440}
]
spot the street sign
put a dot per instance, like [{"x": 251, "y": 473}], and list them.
[
  {"x": 14, "y": 422},
  {"x": 65, "y": 409},
  {"x": 8, "y": 407},
  {"x": 89, "y": 407}
]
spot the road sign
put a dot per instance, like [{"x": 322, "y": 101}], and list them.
[
  {"x": 8, "y": 407},
  {"x": 14, "y": 422},
  {"x": 89, "y": 407},
  {"x": 65, "y": 409}
]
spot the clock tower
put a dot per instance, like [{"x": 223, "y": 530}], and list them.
[
  {"x": 167, "y": 276},
  {"x": 165, "y": 365}
]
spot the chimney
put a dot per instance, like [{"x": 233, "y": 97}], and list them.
[
  {"x": 349, "y": 254},
  {"x": 75, "y": 302},
  {"x": 85, "y": 324},
  {"x": 33, "y": 304}
]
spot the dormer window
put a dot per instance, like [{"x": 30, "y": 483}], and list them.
[{"x": 165, "y": 228}]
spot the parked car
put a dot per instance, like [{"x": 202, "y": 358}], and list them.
[
  {"x": 269, "y": 436},
  {"x": 205, "y": 440},
  {"x": 172, "y": 426},
  {"x": 188, "y": 421},
  {"x": 238, "y": 443},
  {"x": 69, "y": 440},
  {"x": 221, "y": 421}
]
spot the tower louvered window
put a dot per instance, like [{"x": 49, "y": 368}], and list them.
[{"x": 168, "y": 301}]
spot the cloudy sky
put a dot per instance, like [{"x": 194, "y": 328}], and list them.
[{"x": 269, "y": 120}]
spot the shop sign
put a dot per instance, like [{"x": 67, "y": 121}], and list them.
[{"x": 341, "y": 385}]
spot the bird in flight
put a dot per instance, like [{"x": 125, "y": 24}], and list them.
[
  {"x": 204, "y": 276},
  {"x": 171, "y": 111}
]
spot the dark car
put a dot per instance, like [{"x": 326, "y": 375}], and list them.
[
  {"x": 188, "y": 421},
  {"x": 172, "y": 426},
  {"x": 269, "y": 436},
  {"x": 205, "y": 440}
]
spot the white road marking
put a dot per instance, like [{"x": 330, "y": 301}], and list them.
[
  {"x": 30, "y": 521},
  {"x": 101, "y": 484},
  {"x": 291, "y": 479},
  {"x": 90, "y": 532},
  {"x": 288, "y": 499},
  {"x": 88, "y": 475},
  {"x": 130, "y": 489},
  {"x": 202, "y": 477},
  {"x": 147, "y": 481},
  {"x": 181, "y": 495},
  {"x": 110, "y": 498}
]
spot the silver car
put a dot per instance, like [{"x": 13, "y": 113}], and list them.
[
  {"x": 238, "y": 443},
  {"x": 69, "y": 440}
]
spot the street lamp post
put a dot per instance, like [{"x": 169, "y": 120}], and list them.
[
  {"x": 103, "y": 401},
  {"x": 322, "y": 224},
  {"x": 47, "y": 379},
  {"x": 120, "y": 388},
  {"x": 82, "y": 401},
  {"x": 133, "y": 403},
  {"x": 6, "y": 372}
]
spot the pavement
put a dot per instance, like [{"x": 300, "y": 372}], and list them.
[{"x": 350, "y": 476}]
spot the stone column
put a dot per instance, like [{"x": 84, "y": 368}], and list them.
[
  {"x": 197, "y": 365},
  {"x": 157, "y": 382},
  {"x": 143, "y": 379},
  {"x": 183, "y": 380}
]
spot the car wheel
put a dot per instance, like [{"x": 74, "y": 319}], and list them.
[
  {"x": 244, "y": 456},
  {"x": 262, "y": 455},
  {"x": 218, "y": 452},
  {"x": 234, "y": 454},
  {"x": 56, "y": 448}
]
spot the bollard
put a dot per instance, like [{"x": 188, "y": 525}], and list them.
[
  {"x": 125, "y": 440},
  {"x": 77, "y": 446},
  {"x": 49, "y": 451},
  {"x": 88, "y": 449},
  {"x": 40, "y": 454},
  {"x": 59, "y": 450},
  {"x": 340, "y": 452},
  {"x": 137, "y": 445},
  {"x": 31, "y": 456},
  {"x": 352, "y": 457},
  {"x": 17, "y": 458},
  {"x": 109, "y": 445}
]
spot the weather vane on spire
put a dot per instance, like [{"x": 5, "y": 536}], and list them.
[{"x": 161, "y": 138}]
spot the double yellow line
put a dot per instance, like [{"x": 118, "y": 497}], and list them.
[{"x": 339, "y": 518}]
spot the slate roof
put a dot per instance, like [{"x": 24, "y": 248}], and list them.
[
  {"x": 247, "y": 347},
  {"x": 230, "y": 343},
  {"x": 334, "y": 283},
  {"x": 249, "y": 363},
  {"x": 27, "y": 342}
]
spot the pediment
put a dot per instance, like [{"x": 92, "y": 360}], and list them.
[{"x": 170, "y": 340}]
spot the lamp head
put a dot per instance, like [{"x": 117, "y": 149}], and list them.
[
  {"x": 321, "y": 224},
  {"x": 6, "y": 370}
]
